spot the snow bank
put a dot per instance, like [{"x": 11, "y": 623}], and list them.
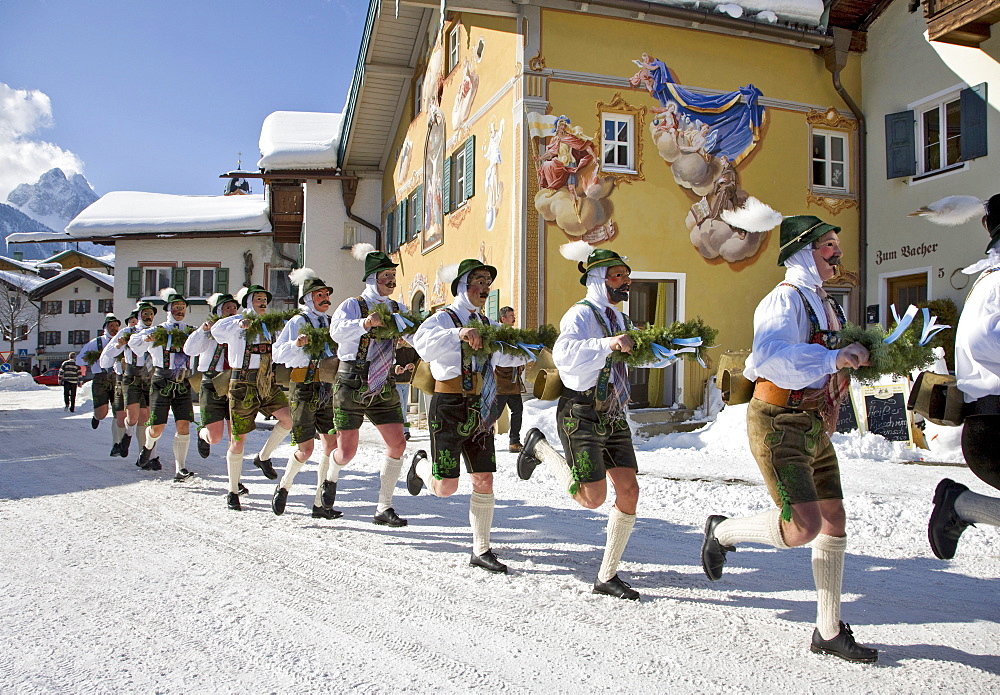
[
  {"x": 19, "y": 381},
  {"x": 300, "y": 140}
]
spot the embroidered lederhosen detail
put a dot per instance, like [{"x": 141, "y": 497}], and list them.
[
  {"x": 248, "y": 349},
  {"x": 467, "y": 370},
  {"x": 604, "y": 378},
  {"x": 361, "y": 358},
  {"x": 828, "y": 339}
]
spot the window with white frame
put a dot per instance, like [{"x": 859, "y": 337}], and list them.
[
  {"x": 618, "y": 142},
  {"x": 413, "y": 210},
  {"x": 278, "y": 283},
  {"x": 154, "y": 279},
  {"x": 78, "y": 337},
  {"x": 49, "y": 338},
  {"x": 458, "y": 177},
  {"x": 939, "y": 143},
  {"x": 453, "y": 38},
  {"x": 200, "y": 282},
  {"x": 418, "y": 95},
  {"x": 830, "y": 162}
]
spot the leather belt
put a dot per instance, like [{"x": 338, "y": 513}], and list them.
[
  {"x": 987, "y": 405},
  {"x": 454, "y": 385},
  {"x": 796, "y": 399}
]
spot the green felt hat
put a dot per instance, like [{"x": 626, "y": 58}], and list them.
[
  {"x": 108, "y": 318},
  {"x": 798, "y": 231},
  {"x": 376, "y": 261},
  {"x": 467, "y": 266},
  {"x": 169, "y": 295},
  {"x": 600, "y": 258},
  {"x": 251, "y": 291},
  {"x": 216, "y": 301},
  {"x": 142, "y": 306},
  {"x": 311, "y": 285}
]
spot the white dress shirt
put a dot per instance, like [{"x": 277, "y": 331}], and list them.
[
  {"x": 286, "y": 352},
  {"x": 977, "y": 340}
]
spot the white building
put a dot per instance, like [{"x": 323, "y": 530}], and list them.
[{"x": 73, "y": 305}]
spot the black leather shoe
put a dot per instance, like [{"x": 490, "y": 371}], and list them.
[
  {"x": 713, "y": 553},
  {"x": 243, "y": 490},
  {"x": 945, "y": 526},
  {"x": 329, "y": 494},
  {"x": 414, "y": 483},
  {"x": 233, "y": 501},
  {"x": 617, "y": 588},
  {"x": 279, "y": 500},
  {"x": 526, "y": 460},
  {"x": 265, "y": 466},
  {"x": 116, "y": 450},
  {"x": 94, "y": 422},
  {"x": 143, "y": 461},
  {"x": 326, "y": 513},
  {"x": 182, "y": 475},
  {"x": 124, "y": 444},
  {"x": 390, "y": 518},
  {"x": 406, "y": 436},
  {"x": 488, "y": 561},
  {"x": 204, "y": 448},
  {"x": 844, "y": 646},
  {"x": 154, "y": 464}
]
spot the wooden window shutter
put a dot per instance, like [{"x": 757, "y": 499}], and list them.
[
  {"x": 134, "y": 283},
  {"x": 973, "y": 116},
  {"x": 390, "y": 220},
  {"x": 470, "y": 167},
  {"x": 404, "y": 222},
  {"x": 178, "y": 278},
  {"x": 900, "y": 148},
  {"x": 222, "y": 280},
  {"x": 419, "y": 200},
  {"x": 446, "y": 186}
]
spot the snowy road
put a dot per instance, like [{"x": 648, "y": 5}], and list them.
[{"x": 116, "y": 580}]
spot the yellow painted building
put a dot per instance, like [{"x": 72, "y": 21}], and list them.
[{"x": 511, "y": 191}]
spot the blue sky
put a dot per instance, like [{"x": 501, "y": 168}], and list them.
[{"x": 162, "y": 96}]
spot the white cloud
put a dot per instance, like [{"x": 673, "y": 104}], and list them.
[{"x": 23, "y": 157}]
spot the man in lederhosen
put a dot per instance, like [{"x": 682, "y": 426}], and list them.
[
  {"x": 113, "y": 362},
  {"x": 463, "y": 408},
  {"x": 103, "y": 385},
  {"x": 252, "y": 387},
  {"x": 366, "y": 383},
  {"x": 212, "y": 360},
  {"x": 311, "y": 397},
  {"x": 170, "y": 390},
  {"x": 136, "y": 376},
  {"x": 801, "y": 374}
]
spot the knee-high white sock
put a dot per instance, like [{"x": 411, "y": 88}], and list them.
[
  {"x": 116, "y": 432},
  {"x": 481, "y": 520},
  {"x": 151, "y": 441},
  {"x": 324, "y": 466},
  {"x": 141, "y": 430},
  {"x": 978, "y": 509},
  {"x": 129, "y": 429},
  {"x": 291, "y": 470},
  {"x": 333, "y": 472},
  {"x": 275, "y": 438},
  {"x": 234, "y": 463},
  {"x": 619, "y": 529},
  {"x": 391, "y": 468},
  {"x": 181, "y": 444},
  {"x": 203, "y": 435},
  {"x": 425, "y": 470},
  {"x": 763, "y": 528},
  {"x": 828, "y": 573},
  {"x": 557, "y": 465}
]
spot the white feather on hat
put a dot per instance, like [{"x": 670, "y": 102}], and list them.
[
  {"x": 360, "y": 251},
  {"x": 299, "y": 276},
  {"x": 240, "y": 294},
  {"x": 166, "y": 292},
  {"x": 576, "y": 251},
  {"x": 951, "y": 210},
  {"x": 214, "y": 299},
  {"x": 448, "y": 273},
  {"x": 754, "y": 216}
]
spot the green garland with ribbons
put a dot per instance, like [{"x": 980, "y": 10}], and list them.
[
  {"x": 896, "y": 359},
  {"x": 504, "y": 339},
  {"x": 91, "y": 356},
  {"x": 389, "y": 330},
  {"x": 319, "y": 338},
  {"x": 161, "y": 335},
  {"x": 274, "y": 320},
  {"x": 644, "y": 339}
]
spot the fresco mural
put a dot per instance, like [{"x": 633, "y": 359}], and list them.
[
  {"x": 494, "y": 186},
  {"x": 403, "y": 163},
  {"x": 703, "y": 139},
  {"x": 433, "y": 232},
  {"x": 571, "y": 193},
  {"x": 466, "y": 94}
]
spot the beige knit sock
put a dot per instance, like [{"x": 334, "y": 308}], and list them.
[
  {"x": 324, "y": 465},
  {"x": 182, "y": 442},
  {"x": 234, "y": 463},
  {"x": 391, "y": 468},
  {"x": 277, "y": 435},
  {"x": 763, "y": 528},
  {"x": 619, "y": 529},
  {"x": 481, "y": 520},
  {"x": 291, "y": 470},
  {"x": 978, "y": 509},
  {"x": 151, "y": 441},
  {"x": 828, "y": 574},
  {"x": 426, "y": 472},
  {"x": 556, "y": 464}
]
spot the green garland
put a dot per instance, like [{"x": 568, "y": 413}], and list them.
[
  {"x": 388, "y": 329},
  {"x": 91, "y": 356},
  {"x": 161, "y": 334},
  {"x": 319, "y": 338},
  {"x": 274, "y": 320},
  {"x": 898, "y": 358},
  {"x": 664, "y": 336},
  {"x": 504, "y": 339}
]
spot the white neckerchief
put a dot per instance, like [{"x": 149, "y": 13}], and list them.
[
  {"x": 992, "y": 259},
  {"x": 463, "y": 306},
  {"x": 311, "y": 310},
  {"x": 801, "y": 271},
  {"x": 597, "y": 290},
  {"x": 371, "y": 293}
]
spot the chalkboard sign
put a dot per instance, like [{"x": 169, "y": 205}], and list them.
[
  {"x": 885, "y": 411},
  {"x": 847, "y": 420}
]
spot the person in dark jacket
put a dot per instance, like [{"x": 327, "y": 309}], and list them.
[
  {"x": 69, "y": 377},
  {"x": 406, "y": 364}
]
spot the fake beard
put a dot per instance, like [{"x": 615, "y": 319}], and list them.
[{"x": 618, "y": 295}]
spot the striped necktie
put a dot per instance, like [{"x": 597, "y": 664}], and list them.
[
  {"x": 619, "y": 374},
  {"x": 488, "y": 395}
]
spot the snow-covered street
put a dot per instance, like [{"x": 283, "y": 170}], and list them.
[{"x": 120, "y": 580}]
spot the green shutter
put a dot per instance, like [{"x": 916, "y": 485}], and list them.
[
  {"x": 973, "y": 122},
  {"x": 404, "y": 221},
  {"x": 390, "y": 219},
  {"x": 134, "y": 283},
  {"x": 222, "y": 280},
  {"x": 900, "y": 148},
  {"x": 493, "y": 305},
  {"x": 178, "y": 278},
  {"x": 446, "y": 186},
  {"x": 470, "y": 167},
  {"x": 419, "y": 199}
]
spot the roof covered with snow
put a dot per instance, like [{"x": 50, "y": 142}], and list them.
[
  {"x": 299, "y": 140},
  {"x": 807, "y": 12},
  {"x": 70, "y": 276},
  {"x": 22, "y": 280},
  {"x": 131, "y": 212}
]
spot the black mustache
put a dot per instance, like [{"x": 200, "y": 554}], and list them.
[
  {"x": 835, "y": 260},
  {"x": 484, "y": 295}
]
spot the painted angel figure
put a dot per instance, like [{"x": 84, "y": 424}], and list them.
[
  {"x": 567, "y": 152},
  {"x": 494, "y": 187}
]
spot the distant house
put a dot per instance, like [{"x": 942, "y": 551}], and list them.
[
  {"x": 18, "y": 316},
  {"x": 71, "y": 306},
  {"x": 78, "y": 259}
]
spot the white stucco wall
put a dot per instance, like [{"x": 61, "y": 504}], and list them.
[
  {"x": 901, "y": 67},
  {"x": 64, "y": 322}
]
